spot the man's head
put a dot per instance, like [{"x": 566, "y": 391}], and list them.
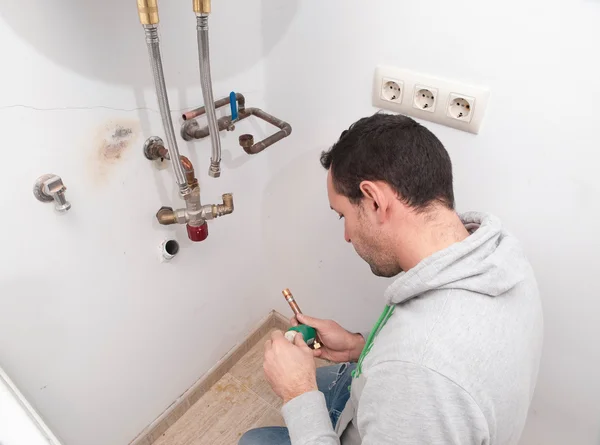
[{"x": 387, "y": 173}]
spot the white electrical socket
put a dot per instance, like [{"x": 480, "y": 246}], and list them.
[
  {"x": 460, "y": 106},
  {"x": 391, "y": 90},
  {"x": 425, "y": 98},
  {"x": 443, "y": 101}
]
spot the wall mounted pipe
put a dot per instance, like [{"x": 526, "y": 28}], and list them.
[
  {"x": 148, "y": 12},
  {"x": 192, "y": 114},
  {"x": 191, "y": 130},
  {"x": 285, "y": 130},
  {"x": 202, "y": 8}
]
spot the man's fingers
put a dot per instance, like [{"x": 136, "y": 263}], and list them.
[
  {"x": 293, "y": 321},
  {"x": 277, "y": 336},
  {"x": 318, "y": 352},
  {"x": 316, "y": 323},
  {"x": 299, "y": 341},
  {"x": 268, "y": 345}
]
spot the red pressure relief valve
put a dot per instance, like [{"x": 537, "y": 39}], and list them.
[{"x": 198, "y": 233}]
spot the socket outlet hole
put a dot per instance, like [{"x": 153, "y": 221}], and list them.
[
  {"x": 172, "y": 247},
  {"x": 391, "y": 91},
  {"x": 424, "y": 99},
  {"x": 460, "y": 108}
]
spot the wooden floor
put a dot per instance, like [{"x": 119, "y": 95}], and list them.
[{"x": 241, "y": 400}]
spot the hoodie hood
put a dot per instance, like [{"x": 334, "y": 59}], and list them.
[{"x": 490, "y": 261}]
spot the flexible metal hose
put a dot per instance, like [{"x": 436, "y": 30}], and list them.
[
  {"x": 153, "y": 42},
  {"x": 207, "y": 94}
]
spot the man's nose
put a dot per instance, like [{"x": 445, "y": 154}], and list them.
[{"x": 347, "y": 238}]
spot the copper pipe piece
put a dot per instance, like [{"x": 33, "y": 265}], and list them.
[
  {"x": 291, "y": 301},
  {"x": 296, "y": 309},
  {"x": 148, "y": 12},
  {"x": 241, "y": 100},
  {"x": 188, "y": 168}
]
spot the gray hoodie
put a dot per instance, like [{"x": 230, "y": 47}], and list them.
[{"x": 455, "y": 364}]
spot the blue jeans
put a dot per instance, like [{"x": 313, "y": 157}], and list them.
[{"x": 334, "y": 382}]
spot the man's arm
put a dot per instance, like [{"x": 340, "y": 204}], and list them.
[{"x": 401, "y": 403}]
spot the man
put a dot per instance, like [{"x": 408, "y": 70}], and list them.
[{"x": 454, "y": 357}]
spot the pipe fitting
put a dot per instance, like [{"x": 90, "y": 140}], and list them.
[
  {"x": 154, "y": 148},
  {"x": 189, "y": 129},
  {"x": 214, "y": 170},
  {"x": 166, "y": 216},
  {"x": 188, "y": 168},
  {"x": 48, "y": 188},
  {"x": 193, "y": 208},
  {"x": 212, "y": 211},
  {"x": 148, "y": 12},
  {"x": 246, "y": 141},
  {"x": 201, "y": 6},
  {"x": 227, "y": 207},
  {"x": 169, "y": 249}
]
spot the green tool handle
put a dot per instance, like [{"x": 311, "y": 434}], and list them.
[{"x": 307, "y": 332}]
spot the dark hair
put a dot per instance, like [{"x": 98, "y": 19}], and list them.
[{"x": 394, "y": 149}]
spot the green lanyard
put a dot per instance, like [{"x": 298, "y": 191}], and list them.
[{"x": 383, "y": 318}]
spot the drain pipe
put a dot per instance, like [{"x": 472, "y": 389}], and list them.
[
  {"x": 148, "y": 12},
  {"x": 202, "y": 10}
]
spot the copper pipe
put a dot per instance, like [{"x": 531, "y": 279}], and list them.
[
  {"x": 194, "y": 132},
  {"x": 188, "y": 168},
  {"x": 291, "y": 301},
  {"x": 296, "y": 309},
  {"x": 285, "y": 130},
  {"x": 191, "y": 130},
  {"x": 241, "y": 100}
]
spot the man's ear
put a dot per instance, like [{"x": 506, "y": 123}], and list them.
[{"x": 374, "y": 196}]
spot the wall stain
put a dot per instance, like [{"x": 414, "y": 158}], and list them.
[{"x": 113, "y": 141}]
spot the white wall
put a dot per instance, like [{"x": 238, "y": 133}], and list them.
[
  {"x": 101, "y": 338},
  {"x": 19, "y": 423},
  {"x": 98, "y": 334},
  {"x": 535, "y": 163}
]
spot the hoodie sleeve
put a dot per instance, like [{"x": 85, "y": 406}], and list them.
[
  {"x": 409, "y": 404},
  {"x": 401, "y": 403},
  {"x": 308, "y": 421}
]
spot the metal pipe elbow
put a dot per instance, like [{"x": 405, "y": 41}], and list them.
[
  {"x": 166, "y": 216},
  {"x": 227, "y": 207}
]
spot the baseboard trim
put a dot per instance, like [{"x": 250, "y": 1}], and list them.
[{"x": 158, "y": 427}]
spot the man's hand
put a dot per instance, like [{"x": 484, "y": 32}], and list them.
[
  {"x": 289, "y": 368},
  {"x": 339, "y": 345}
]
